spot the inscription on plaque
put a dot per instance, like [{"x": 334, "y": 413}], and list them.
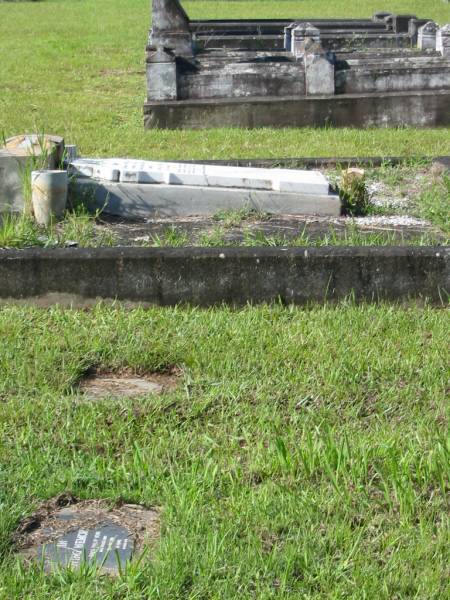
[
  {"x": 68, "y": 533},
  {"x": 108, "y": 546}
]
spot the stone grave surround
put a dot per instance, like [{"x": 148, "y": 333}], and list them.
[
  {"x": 133, "y": 188},
  {"x": 245, "y": 72}
]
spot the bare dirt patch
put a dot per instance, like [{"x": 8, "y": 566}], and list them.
[
  {"x": 65, "y": 532},
  {"x": 125, "y": 384}
]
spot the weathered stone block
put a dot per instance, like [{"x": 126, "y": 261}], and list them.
[
  {"x": 427, "y": 36},
  {"x": 443, "y": 41},
  {"x": 373, "y": 76},
  {"x": 319, "y": 75},
  {"x": 242, "y": 80},
  {"x": 304, "y": 36},
  {"x": 170, "y": 27},
  {"x": 46, "y": 151},
  {"x": 425, "y": 108},
  {"x": 12, "y": 172},
  {"x": 161, "y": 74}
]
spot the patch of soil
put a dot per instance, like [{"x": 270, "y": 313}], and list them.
[
  {"x": 63, "y": 518},
  {"x": 97, "y": 385}
]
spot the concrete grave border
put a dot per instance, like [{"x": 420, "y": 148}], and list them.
[
  {"x": 236, "y": 276},
  {"x": 426, "y": 108}
]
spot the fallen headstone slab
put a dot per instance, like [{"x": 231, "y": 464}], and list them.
[
  {"x": 65, "y": 532},
  {"x": 133, "y": 171},
  {"x": 130, "y": 189}
]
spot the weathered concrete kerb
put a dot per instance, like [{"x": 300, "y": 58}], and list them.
[{"x": 209, "y": 276}]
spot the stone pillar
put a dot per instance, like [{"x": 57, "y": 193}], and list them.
[
  {"x": 443, "y": 41},
  {"x": 161, "y": 74},
  {"x": 303, "y": 36},
  {"x": 170, "y": 27},
  {"x": 426, "y": 39}
]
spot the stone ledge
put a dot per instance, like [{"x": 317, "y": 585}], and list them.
[{"x": 236, "y": 276}]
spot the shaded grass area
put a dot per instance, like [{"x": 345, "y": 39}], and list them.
[
  {"x": 79, "y": 71},
  {"x": 304, "y": 454}
]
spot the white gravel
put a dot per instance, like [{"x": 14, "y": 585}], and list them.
[
  {"x": 392, "y": 220},
  {"x": 381, "y": 195}
]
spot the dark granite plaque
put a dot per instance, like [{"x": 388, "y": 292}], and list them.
[{"x": 108, "y": 546}]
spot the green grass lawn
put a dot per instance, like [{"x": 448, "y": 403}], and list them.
[
  {"x": 304, "y": 454},
  {"x": 77, "y": 68}
]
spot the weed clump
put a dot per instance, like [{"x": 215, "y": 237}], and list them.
[{"x": 353, "y": 193}]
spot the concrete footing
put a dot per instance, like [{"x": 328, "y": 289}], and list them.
[{"x": 210, "y": 276}]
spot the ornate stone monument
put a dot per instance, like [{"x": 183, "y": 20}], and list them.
[{"x": 390, "y": 70}]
